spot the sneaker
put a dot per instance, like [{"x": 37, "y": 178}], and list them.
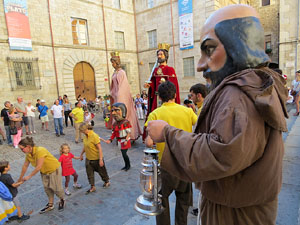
[
  {"x": 67, "y": 192},
  {"x": 34, "y": 132},
  {"x": 61, "y": 205},
  {"x": 47, "y": 208},
  {"x": 23, "y": 217},
  {"x": 57, "y": 135},
  {"x": 13, "y": 218},
  {"x": 62, "y": 134},
  {"x": 77, "y": 185},
  {"x": 106, "y": 184},
  {"x": 16, "y": 146}
]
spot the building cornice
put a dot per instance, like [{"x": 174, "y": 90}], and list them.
[{"x": 155, "y": 7}]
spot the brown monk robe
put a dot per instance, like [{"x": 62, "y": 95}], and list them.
[{"x": 235, "y": 155}]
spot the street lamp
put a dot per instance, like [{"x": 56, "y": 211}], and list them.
[{"x": 149, "y": 203}]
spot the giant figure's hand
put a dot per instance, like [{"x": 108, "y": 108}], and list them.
[
  {"x": 155, "y": 130},
  {"x": 146, "y": 85}
]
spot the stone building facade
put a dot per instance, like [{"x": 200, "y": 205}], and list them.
[
  {"x": 162, "y": 13},
  {"x": 62, "y": 65},
  {"x": 289, "y": 42},
  {"x": 82, "y": 41},
  {"x": 269, "y": 17}
]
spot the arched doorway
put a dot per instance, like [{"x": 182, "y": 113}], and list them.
[{"x": 84, "y": 81}]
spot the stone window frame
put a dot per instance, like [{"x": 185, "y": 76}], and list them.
[
  {"x": 79, "y": 31},
  {"x": 150, "y": 4},
  {"x": 117, "y": 4},
  {"x": 189, "y": 66},
  {"x": 265, "y": 2},
  {"x": 24, "y": 73},
  {"x": 119, "y": 40},
  {"x": 152, "y": 38},
  {"x": 268, "y": 41}
]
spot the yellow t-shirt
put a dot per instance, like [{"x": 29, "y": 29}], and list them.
[
  {"x": 199, "y": 107},
  {"x": 79, "y": 114},
  {"x": 50, "y": 162},
  {"x": 90, "y": 142},
  {"x": 175, "y": 115}
]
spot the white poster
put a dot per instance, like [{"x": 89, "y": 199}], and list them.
[{"x": 186, "y": 34}]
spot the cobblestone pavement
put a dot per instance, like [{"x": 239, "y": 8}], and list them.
[
  {"x": 111, "y": 206},
  {"x": 114, "y": 205}
]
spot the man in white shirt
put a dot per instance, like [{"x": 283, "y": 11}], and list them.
[{"x": 57, "y": 111}]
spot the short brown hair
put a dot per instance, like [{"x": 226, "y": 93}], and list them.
[
  {"x": 3, "y": 165},
  {"x": 84, "y": 127},
  {"x": 27, "y": 141}
]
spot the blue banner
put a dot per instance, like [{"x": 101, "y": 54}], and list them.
[{"x": 185, "y": 7}]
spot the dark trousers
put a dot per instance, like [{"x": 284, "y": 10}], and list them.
[
  {"x": 92, "y": 166},
  {"x": 184, "y": 199},
  {"x": 75, "y": 175},
  {"x": 126, "y": 158},
  {"x": 67, "y": 115}
]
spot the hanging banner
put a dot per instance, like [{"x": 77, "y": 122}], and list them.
[
  {"x": 186, "y": 32},
  {"x": 17, "y": 22}
]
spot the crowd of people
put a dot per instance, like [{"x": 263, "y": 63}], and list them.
[{"x": 206, "y": 142}]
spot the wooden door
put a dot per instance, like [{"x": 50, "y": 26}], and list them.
[{"x": 84, "y": 81}]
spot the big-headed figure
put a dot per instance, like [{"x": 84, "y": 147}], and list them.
[{"x": 235, "y": 155}]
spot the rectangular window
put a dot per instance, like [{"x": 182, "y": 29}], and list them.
[
  {"x": 188, "y": 67},
  {"x": 150, "y": 4},
  {"x": 117, "y": 4},
  {"x": 152, "y": 39},
  {"x": 268, "y": 42},
  {"x": 119, "y": 40},
  {"x": 24, "y": 73},
  {"x": 265, "y": 2},
  {"x": 79, "y": 31},
  {"x": 151, "y": 65}
]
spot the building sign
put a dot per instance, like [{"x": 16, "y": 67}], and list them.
[
  {"x": 186, "y": 33},
  {"x": 17, "y": 22}
]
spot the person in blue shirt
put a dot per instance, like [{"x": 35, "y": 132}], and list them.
[{"x": 43, "y": 109}]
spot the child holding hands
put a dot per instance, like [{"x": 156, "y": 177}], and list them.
[
  {"x": 67, "y": 167},
  {"x": 6, "y": 179}
]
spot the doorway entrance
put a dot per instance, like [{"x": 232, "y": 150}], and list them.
[{"x": 84, "y": 81}]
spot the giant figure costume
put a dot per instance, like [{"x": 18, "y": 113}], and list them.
[
  {"x": 235, "y": 156},
  {"x": 120, "y": 92},
  {"x": 161, "y": 74}
]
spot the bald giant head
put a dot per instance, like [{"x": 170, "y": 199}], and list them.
[{"x": 232, "y": 40}]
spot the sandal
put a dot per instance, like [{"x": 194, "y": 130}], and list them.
[
  {"x": 296, "y": 114},
  {"x": 93, "y": 189}
]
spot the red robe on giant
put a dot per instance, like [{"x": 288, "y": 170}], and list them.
[{"x": 162, "y": 72}]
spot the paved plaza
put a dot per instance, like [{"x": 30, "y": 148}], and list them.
[{"x": 115, "y": 205}]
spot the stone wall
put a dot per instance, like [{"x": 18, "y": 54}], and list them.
[
  {"x": 269, "y": 17},
  {"x": 159, "y": 18},
  {"x": 289, "y": 45},
  {"x": 67, "y": 54}
]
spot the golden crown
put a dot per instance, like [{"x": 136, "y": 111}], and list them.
[
  {"x": 165, "y": 46},
  {"x": 115, "y": 54}
]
